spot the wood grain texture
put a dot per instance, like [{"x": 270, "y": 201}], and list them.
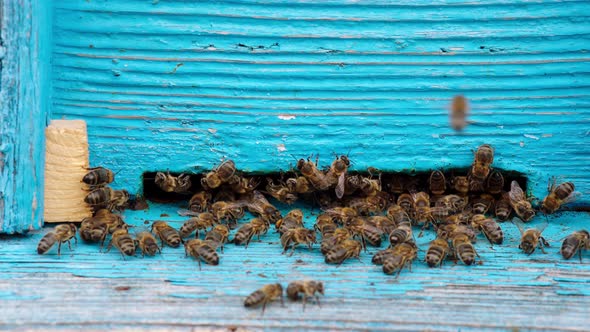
[
  {"x": 510, "y": 290},
  {"x": 170, "y": 84},
  {"x": 24, "y": 109}
]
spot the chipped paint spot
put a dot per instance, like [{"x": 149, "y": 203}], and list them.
[
  {"x": 281, "y": 147},
  {"x": 547, "y": 135},
  {"x": 521, "y": 144},
  {"x": 212, "y": 130},
  {"x": 286, "y": 117},
  {"x": 531, "y": 137}
]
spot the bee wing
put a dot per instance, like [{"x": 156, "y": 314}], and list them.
[
  {"x": 572, "y": 197},
  {"x": 185, "y": 212},
  {"x": 518, "y": 224},
  {"x": 340, "y": 186},
  {"x": 542, "y": 226},
  {"x": 516, "y": 194}
]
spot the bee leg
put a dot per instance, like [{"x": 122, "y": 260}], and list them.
[
  {"x": 59, "y": 248},
  {"x": 282, "y": 301},
  {"x": 69, "y": 245},
  {"x": 199, "y": 260},
  {"x": 304, "y": 300},
  {"x": 317, "y": 300},
  {"x": 545, "y": 243},
  {"x": 542, "y": 250},
  {"x": 263, "y": 307},
  {"x": 292, "y": 249}
]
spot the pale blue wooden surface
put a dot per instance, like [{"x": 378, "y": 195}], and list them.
[
  {"x": 179, "y": 85},
  {"x": 510, "y": 290}
]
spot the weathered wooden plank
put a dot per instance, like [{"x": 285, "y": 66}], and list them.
[{"x": 510, "y": 290}]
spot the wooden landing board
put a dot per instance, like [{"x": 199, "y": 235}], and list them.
[{"x": 88, "y": 289}]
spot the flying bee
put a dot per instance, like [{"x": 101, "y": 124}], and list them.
[
  {"x": 574, "y": 243},
  {"x": 60, "y": 234},
  {"x": 367, "y": 232},
  {"x": 147, "y": 243},
  {"x": 495, "y": 182},
  {"x": 484, "y": 157},
  {"x": 170, "y": 183},
  {"x": 458, "y": 112},
  {"x": 336, "y": 175},
  {"x": 503, "y": 208},
  {"x": 344, "y": 250},
  {"x": 217, "y": 236},
  {"x": 380, "y": 256},
  {"x": 220, "y": 175},
  {"x": 256, "y": 226},
  {"x": 396, "y": 214},
  {"x": 402, "y": 233},
  {"x": 258, "y": 204},
  {"x": 450, "y": 231},
  {"x": 201, "y": 250},
  {"x": 325, "y": 225},
  {"x": 107, "y": 197},
  {"x": 299, "y": 185},
  {"x": 384, "y": 224},
  {"x": 463, "y": 249},
  {"x": 281, "y": 192},
  {"x": 293, "y": 219},
  {"x": 522, "y": 207},
  {"x": 294, "y": 236},
  {"x": 265, "y": 295},
  {"x": 558, "y": 196},
  {"x": 437, "y": 183},
  {"x": 166, "y": 233},
  {"x": 98, "y": 177},
  {"x": 489, "y": 227},
  {"x": 403, "y": 254},
  {"x": 331, "y": 240},
  {"x": 199, "y": 202},
  {"x": 304, "y": 289},
  {"x": 460, "y": 184},
  {"x": 315, "y": 177},
  {"x": 481, "y": 204},
  {"x": 123, "y": 242},
  {"x": 437, "y": 252},
  {"x": 230, "y": 211},
  {"x": 341, "y": 214},
  {"x": 243, "y": 185},
  {"x": 531, "y": 238},
  {"x": 367, "y": 205},
  {"x": 203, "y": 221}
]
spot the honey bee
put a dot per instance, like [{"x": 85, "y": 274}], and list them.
[
  {"x": 448, "y": 205},
  {"x": 201, "y": 250},
  {"x": 463, "y": 248},
  {"x": 107, "y": 197},
  {"x": 503, "y": 208},
  {"x": 217, "y": 236},
  {"x": 460, "y": 184},
  {"x": 203, "y": 221},
  {"x": 310, "y": 171},
  {"x": 170, "y": 183},
  {"x": 341, "y": 215},
  {"x": 147, "y": 243},
  {"x": 475, "y": 184},
  {"x": 406, "y": 202},
  {"x": 462, "y": 218},
  {"x": 299, "y": 185},
  {"x": 367, "y": 232},
  {"x": 258, "y": 204},
  {"x": 421, "y": 204},
  {"x": 484, "y": 157},
  {"x": 449, "y": 231},
  {"x": 137, "y": 203},
  {"x": 342, "y": 251},
  {"x": 437, "y": 183},
  {"x": 336, "y": 175},
  {"x": 294, "y": 236},
  {"x": 293, "y": 219},
  {"x": 123, "y": 242},
  {"x": 367, "y": 205},
  {"x": 324, "y": 224},
  {"x": 400, "y": 183},
  {"x": 220, "y": 175},
  {"x": 256, "y": 226},
  {"x": 199, "y": 202},
  {"x": 230, "y": 211},
  {"x": 458, "y": 112},
  {"x": 281, "y": 192},
  {"x": 93, "y": 230},
  {"x": 166, "y": 233},
  {"x": 243, "y": 185},
  {"x": 402, "y": 233},
  {"x": 383, "y": 223},
  {"x": 558, "y": 195},
  {"x": 574, "y": 243},
  {"x": 396, "y": 214},
  {"x": 60, "y": 234},
  {"x": 331, "y": 240},
  {"x": 522, "y": 207},
  {"x": 98, "y": 177},
  {"x": 381, "y": 255},
  {"x": 495, "y": 182},
  {"x": 403, "y": 254},
  {"x": 489, "y": 227},
  {"x": 305, "y": 289},
  {"x": 265, "y": 295},
  {"x": 481, "y": 204},
  {"x": 352, "y": 184},
  {"x": 531, "y": 238},
  {"x": 437, "y": 252},
  {"x": 370, "y": 187}
]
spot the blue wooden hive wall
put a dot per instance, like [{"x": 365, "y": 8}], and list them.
[{"x": 180, "y": 85}]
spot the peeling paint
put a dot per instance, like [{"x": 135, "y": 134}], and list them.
[{"x": 286, "y": 117}]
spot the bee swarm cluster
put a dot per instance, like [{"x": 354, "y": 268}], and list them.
[{"x": 356, "y": 210}]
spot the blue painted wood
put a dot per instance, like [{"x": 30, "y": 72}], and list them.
[
  {"x": 509, "y": 291},
  {"x": 24, "y": 110},
  {"x": 172, "y": 84}
]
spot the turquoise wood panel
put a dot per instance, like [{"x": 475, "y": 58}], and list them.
[
  {"x": 25, "y": 46},
  {"x": 509, "y": 291},
  {"x": 180, "y": 85}
]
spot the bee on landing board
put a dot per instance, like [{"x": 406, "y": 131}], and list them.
[
  {"x": 294, "y": 236},
  {"x": 558, "y": 196},
  {"x": 60, "y": 234},
  {"x": 489, "y": 227},
  {"x": 245, "y": 233},
  {"x": 146, "y": 242},
  {"x": 522, "y": 207},
  {"x": 201, "y": 250},
  {"x": 402, "y": 255},
  {"x": 574, "y": 243},
  {"x": 166, "y": 233},
  {"x": 265, "y": 295},
  {"x": 201, "y": 222},
  {"x": 437, "y": 252},
  {"x": 305, "y": 289},
  {"x": 105, "y": 197},
  {"x": 531, "y": 238},
  {"x": 346, "y": 249},
  {"x": 123, "y": 242},
  {"x": 199, "y": 202}
]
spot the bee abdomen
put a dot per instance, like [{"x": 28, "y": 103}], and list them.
[
  {"x": 434, "y": 256},
  {"x": 127, "y": 246},
  {"x": 293, "y": 291},
  {"x": 392, "y": 264},
  {"x": 46, "y": 243},
  {"x": 466, "y": 253},
  {"x": 254, "y": 299},
  {"x": 208, "y": 254},
  {"x": 188, "y": 227},
  {"x": 243, "y": 234},
  {"x": 171, "y": 237},
  {"x": 337, "y": 255}
]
